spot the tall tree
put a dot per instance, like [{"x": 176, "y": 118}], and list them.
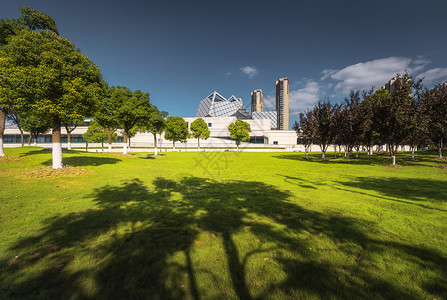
[
  {"x": 305, "y": 130},
  {"x": 323, "y": 114},
  {"x": 97, "y": 134},
  {"x": 31, "y": 19},
  {"x": 353, "y": 123},
  {"x": 106, "y": 115},
  {"x": 394, "y": 113},
  {"x": 44, "y": 72},
  {"x": 435, "y": 101},
  {"x": 176, "y": 130},
  {"x": 156, "y": 125},
  {"x": 70, "y": 126},
  {"x": 35, "y": 124},
  {"x": 199, "y": 130},
  {"x": 369, "y": 107},
  {"x": 418, "y": 125},
  {"x": 240, "y": 131},
  {"x": 13, "y": 116},
  {"x": 131, "y": 109}
]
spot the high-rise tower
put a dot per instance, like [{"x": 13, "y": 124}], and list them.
[
  {"x": 257, "y": 101},
  {"x": 282, "y": 103}
]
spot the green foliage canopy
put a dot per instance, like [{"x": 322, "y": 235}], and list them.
[
  {"x": 199, "y": 129},
  {"x": 131, "y": 108},
  {"x": 96, "y": 133},
  {"x": 176, "y": 129},
  {"x": 239, "y": 131},
  {"x": 42, "y": 72}
]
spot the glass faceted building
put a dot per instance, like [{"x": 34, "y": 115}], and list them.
[{"x": 215, "y": 105}]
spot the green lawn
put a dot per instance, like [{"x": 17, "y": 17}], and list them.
[{"x": 222, "y": 225}]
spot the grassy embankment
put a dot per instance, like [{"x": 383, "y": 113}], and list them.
[{"x": 222, "y": 225}]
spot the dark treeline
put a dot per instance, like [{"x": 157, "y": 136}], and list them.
[{"x": 408, "y": 115}]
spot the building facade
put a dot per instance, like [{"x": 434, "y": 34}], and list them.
[
  {"x": 282, "y": 103},
  {"x": 257, "y": 101}
]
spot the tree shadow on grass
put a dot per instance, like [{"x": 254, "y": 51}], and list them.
[
  {"x": 415, "y": 189},
  {"x": 124, "y": 247},
  {"x": 82, "y": 161},
  {"x": 423, "y": 158}
]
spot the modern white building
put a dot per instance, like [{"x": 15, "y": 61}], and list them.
[{"x": 217, "y": 111}]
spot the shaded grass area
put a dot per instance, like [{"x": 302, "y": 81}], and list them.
[{"x": 223, "y": 225}]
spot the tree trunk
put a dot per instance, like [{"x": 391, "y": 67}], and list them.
[
  {"x": 35, "y": 140},
  {"x": 109, "y": 139},
  {"x": 57, "y": 146},
  {"x": 102, "y": 145},
  {"x": 173, "y": 145},
  {"x": 155, "y": 144},
  {"x": 357, "y": 153},
  {"x": 2, "y": 130},
  {"x": 29, "y": 139},
  {"x": 124, "y": 142},
  {"x": 69, "y": 140},
  {"x": 237, "y": 146},
  {"x": 86, "y": 146},
  {"x": 394, "y": 159},
  {"x": 324, "y": 155},
  {"x": 412, "y": 152},
  {"x": 21, "y": 137},
  {"x": 198, "y": 144},
  {"x": 335, "y": 152},
  {"x": 347, "y": 158},
  {"x": 440, "y": 148}
]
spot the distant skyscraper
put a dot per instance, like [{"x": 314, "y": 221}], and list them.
[
  {"x": 257, "y": 101},
  {"x": 390, "y": 85},
  {"x": 444, "y": 86},
  {"x": 282, "y": 103}
]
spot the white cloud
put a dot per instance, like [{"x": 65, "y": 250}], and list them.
[
  {"x": 362, "y": 76},
  {"x": 228, "y": 74},
  {"x": 436, "y": 75},
  {"x": 304, "y": 98},
  {"x": 300, "y": 99},
  {"x": 250, "y": 71}
]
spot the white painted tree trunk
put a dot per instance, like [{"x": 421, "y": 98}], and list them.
[
  {"x": 125, "y": 148},
  {"x": 57, "y": 145},
  {"x": 394, "y": 160},
  {"x": 110, "y": 147},
  {"x": 412, "y": 153},
  {"x": 198, "y": 144},
  {"x": 324, "y": 155},
  {"x": 1, "y": 148},
  {"x": 57, "y": 155},
  {"x": 2, "y": 130},
  {"x": 173, "y": 146},
  {"x": 69, "y": 146},
  {"x": 35, "y": 142},
  {"x": 307, "y": 155},
  {"x": 347, "y": 158}
]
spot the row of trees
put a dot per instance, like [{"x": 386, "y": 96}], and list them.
[
  {"x": 46, "y": 82},
  {"x": 409, "y": 115},
  {"x": 45, "y": 75},
  {"x": 175, "y": 128}
]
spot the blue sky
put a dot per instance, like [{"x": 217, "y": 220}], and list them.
[{"x": 181, "y": 51}]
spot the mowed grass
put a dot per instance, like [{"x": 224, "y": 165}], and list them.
[{"x": 222, "y": 225}]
